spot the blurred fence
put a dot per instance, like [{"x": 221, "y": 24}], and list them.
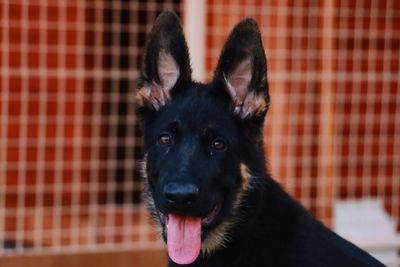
[{"x": 70, "y": 145}]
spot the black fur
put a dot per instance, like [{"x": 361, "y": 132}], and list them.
[{"x": 183, "y": 132}]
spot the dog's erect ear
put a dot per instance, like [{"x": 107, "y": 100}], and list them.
[
  {"x": 165, "y": 63},
  {"x": 242, "y": 70}
]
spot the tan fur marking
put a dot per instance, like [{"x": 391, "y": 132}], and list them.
[
  {"x": 245, "y": 184},
  {"x": 152, "y": 95},
  {"x": 142, "y": 96},
  {"x": 218, "y": 237},
  {"x": 148, "y": 199},
  {"x": 252, "y": 104},
  {"x": 143, "y": 167},
  {"x": 246, "y": 175},
  {"x": 260, "y": 105}
]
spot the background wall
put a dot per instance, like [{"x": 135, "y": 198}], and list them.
[{"x": 69, "y": 146}]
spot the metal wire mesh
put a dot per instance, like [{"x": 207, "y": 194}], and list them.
[
  {"x": 333, "y": 128},
  {"x": 69, "y": 146}
]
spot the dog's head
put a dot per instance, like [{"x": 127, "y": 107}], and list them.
[{"x": 203, "y": 142}]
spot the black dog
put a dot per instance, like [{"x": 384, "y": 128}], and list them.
[{"x": 207, "y": 185}]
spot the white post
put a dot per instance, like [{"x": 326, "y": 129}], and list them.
[{"x": 195, "y": 30}]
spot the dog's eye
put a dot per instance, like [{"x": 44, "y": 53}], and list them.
[
  {"x": 218, "y": 144},
  {"x": 164, "y": 139}
]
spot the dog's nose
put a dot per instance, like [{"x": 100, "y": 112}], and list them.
[{"x": 181, "y": 195}]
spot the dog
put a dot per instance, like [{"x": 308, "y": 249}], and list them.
[{"x": 206, "y": 183}]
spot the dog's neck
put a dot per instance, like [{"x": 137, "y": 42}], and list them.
[{"x": 268, "y": 231}]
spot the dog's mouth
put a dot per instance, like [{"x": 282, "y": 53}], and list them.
[
  {"x": 205, "y": 221},
  {"x": 184, "y": 233}
]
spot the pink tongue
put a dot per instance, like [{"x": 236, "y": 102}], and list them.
[{"x": 183, "y": 238}]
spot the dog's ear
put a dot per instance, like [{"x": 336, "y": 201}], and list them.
[
  {"x": 166, "y": 63},
  {"x": 242, "y": 70}
]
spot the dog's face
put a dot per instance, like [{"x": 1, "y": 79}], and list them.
[{"x": 199, "y": 138}]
